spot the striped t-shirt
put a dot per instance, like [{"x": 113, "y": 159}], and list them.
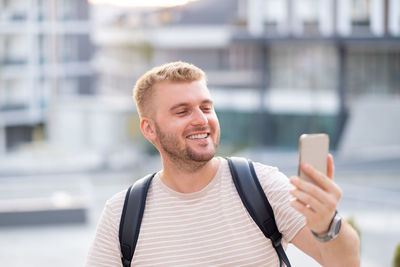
[{"x": 210, "y": 227}]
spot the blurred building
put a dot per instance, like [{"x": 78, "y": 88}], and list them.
[
  {"x": 45, "y": 54},
  {"x": 299, "y": 65},
  {"x": 278, "y": 67}
]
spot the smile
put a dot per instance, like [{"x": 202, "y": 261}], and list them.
[{"x": 198, "y": 136}]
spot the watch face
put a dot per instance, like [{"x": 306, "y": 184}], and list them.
[{"x": 337, "y": 226}]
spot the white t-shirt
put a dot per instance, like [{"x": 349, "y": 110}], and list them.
[{"x": 210, "y": 227}]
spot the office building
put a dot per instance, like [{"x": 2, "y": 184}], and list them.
[{"x": 45, "y": 54}]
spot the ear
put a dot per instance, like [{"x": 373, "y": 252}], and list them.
[{"x": 148, "y": 129}]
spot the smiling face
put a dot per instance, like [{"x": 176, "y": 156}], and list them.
[{"x": 184, "y": 123}]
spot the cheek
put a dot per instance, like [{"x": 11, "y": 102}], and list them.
[
  {"x": 214, "y": 121},
  {"x": 177, "y": 126}
]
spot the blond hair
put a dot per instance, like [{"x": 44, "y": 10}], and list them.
[{"x": 170, "y": 72}]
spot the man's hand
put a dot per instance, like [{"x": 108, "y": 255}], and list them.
[{"x": 317, "y": 202}]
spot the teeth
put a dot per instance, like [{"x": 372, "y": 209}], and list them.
[{"x": 198, "y": 136}]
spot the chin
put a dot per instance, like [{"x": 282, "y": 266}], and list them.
[{"x": 201, "y": 157}]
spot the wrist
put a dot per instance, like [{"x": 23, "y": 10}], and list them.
[{"x": 333, "y": 229}]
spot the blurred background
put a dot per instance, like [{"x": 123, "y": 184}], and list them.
[{"x": 69, "y": 130}]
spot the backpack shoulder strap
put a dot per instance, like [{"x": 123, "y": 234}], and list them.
[
  {"x": 131, "y": 218},
  {"x": 256, "y": 202}
]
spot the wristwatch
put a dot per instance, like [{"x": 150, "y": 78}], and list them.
[{"x": 333, "y": 231}]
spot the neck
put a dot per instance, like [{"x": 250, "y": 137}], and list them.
[{"x": 188, "y": 179}]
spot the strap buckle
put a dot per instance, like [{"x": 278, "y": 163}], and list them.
[{"x": 276, "y": 239}]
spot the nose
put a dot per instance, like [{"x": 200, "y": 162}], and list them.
[{"x": 199, "y": 117}]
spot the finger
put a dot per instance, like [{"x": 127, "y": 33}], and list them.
[
  {"x": 322, "y": 180},
  {"x": 331, "y": 167},
  {"x": 307, "y": 199},
  {"x": 300, "y": 207},
  {"x": 313, "y": 219},
  {"x": 329, "y": 198},
  {"x": 318, "y": 177},
  {"x": 308, "y": 188}
]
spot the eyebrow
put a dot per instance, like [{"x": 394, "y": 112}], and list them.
[{"x": 184, "y": 104}]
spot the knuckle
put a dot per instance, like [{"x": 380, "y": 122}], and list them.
[
  {"x": 299, "y": 182},
  {"x": 313, "y": 191},
  {"x": 307, "y": 199},
  {"x": 331, "y": 203},
  {"x": 339, "y": 193}
]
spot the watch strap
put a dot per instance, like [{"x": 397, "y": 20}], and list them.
[{"x": 333, "y": 230}]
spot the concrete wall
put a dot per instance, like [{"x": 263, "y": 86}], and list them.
[{"x": 373, "y": 128}]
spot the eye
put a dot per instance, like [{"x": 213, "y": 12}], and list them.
[
  {"x": 207, "y": 108},
  {"x": 181, "y": 112}
]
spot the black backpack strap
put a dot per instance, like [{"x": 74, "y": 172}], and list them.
[
  {"x": 256, "y": 202},
  {"x": 131, "y": 218}
]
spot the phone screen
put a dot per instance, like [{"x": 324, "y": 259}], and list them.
[{"x": 313, "y": 149}]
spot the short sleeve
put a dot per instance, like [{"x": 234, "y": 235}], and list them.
[
  {"x": 105, "y": 249},
  {"x": 277, "y": 189}
]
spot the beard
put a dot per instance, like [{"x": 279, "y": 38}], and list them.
[{"x": 184, "y": 156}]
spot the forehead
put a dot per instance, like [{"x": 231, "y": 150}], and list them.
[{"x": 170, "y": 93}]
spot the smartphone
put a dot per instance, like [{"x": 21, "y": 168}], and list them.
[{"x": 313, "y": 149}]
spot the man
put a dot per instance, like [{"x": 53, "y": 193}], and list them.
[{"x": 193, "y": 213}]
